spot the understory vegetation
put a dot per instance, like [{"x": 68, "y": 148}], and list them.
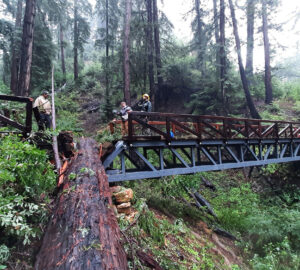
[
  {"x": 26, "y": 179},
  {"x": 264, "y": 220}
]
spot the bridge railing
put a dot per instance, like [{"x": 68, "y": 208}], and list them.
[
  {"x": 5, "y": 117},
  {"x": 168, "y": 126}
]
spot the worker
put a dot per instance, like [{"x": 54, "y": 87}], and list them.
[
  {"x": 145, "y": 104},
  {"x": 124, "y": 117},
  {"x": 43, "y": 106}
]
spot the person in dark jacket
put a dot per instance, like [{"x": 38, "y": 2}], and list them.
[{"x": 145, "y": 104}]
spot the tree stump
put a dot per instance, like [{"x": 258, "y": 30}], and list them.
[{"x": 83, "y": 232}]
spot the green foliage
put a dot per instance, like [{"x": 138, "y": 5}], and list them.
[
  {"x": 106, "y": 136},
  {"x": 151, "y": 226},
  {"x": 235, "y": 214},
  {"x": 273, "y": 112},
  {"x": 25, "y": 167},
  {"x": 278, "y": 256},
  {"x": 4, "y": 255},
  {"x": 25, "y": 175},
  {"x": 68, "y": 112},
  {"x": 4, "y": 89}
]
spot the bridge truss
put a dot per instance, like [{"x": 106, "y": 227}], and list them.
[{"x": 161, "y": 145}]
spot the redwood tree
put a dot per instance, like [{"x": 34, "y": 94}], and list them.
[
  {"x": 251, "y": 106},
  {"x": 157, "y": 45},
  {"x": 15, "y": 60},
  {"x": 268, "y": 79},
  {"x": 222, "y": 54},
  {"x": 150, "y": 46},
  {"x": 62, "y": 50},
  {"x": 216, "y": 26},
  {"x": 250, "y": 37},
  {"x": 76, "y": 36},
  {"x": 200, "y": 37},
  {"x": 26, "y": 49},
  {"x": 126, "y": 53}
]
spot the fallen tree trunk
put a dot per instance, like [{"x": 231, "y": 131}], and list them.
[{"x": 83, "y": 232}]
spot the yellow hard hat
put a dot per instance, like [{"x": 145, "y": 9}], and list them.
[{"x": 146, "y": 95}]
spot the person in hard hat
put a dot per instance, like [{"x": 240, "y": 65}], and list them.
[
  {"x": 124, "y": 117},
  {"x": 43, "y": 106},
  {"x": 145, "y": 104}
]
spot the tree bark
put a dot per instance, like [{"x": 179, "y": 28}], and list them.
[
  {"x": 75, "y": 40},
  {"x": 15, "y": 60},
  {"x": 251, "y": 106},
  {"x": 216, "y": 23},
  {"x": 62, "y": 50},
  {"x": 268, "y": 79},
  {"x": 217, "y": 39},
  {"x": 150, "y": 48},
  {"x": 222, "y": 54},
  {"x": 26, "y": 49},
  {"x": 200, "y": 37},
  {"x": 83, "y": 232},
  {"x": 250, "y": 38},
  {"x": 126, "y": 53},
  {"x": 157, "y": 46}
]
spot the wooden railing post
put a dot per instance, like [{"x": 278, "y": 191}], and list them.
[
  {"x": 247, "y": 129},
  {"x": 276, "y": 131},
  {"x": 130, "y": 126},
  {"x": 225, "y": 131},
  {"x": 259, "y": 130},
  {"x": 291, "y": 131},
  {"x": 168, "y": 128},
  {"x": 29, "y": 116}
]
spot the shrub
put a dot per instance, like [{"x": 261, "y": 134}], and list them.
[{"x": 25, "y": 174}]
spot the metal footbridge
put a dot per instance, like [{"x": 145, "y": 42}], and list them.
[{"x": 163, "y": 144}]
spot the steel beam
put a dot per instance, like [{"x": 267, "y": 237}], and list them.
[{"x": 243, "y": 153}]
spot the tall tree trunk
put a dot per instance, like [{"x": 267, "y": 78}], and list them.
[
  {"x": 107, "y": 45},
  {"x": 15, "y": 60},
  {"x": 253, "y": 111},
  {"x": 222, "y": 54},
  {"x": 216, "y": 22},
  {"x": 26, "y": 49},
  {"x": 75, "y": 41},
  {"x": 108, "y": 104},
  {"x": 200, "y": 36},
  {"x": 150, "y": 48},
  {"x": 145, "y": 53},
  {"x": 62, "y": 50},
  {"x": 250, "y": 38},
  {"x": 126, "y": 53},
  {"x": 217, "y": 38},
  {"x": 268, "y": 79},
  {"x": 157, "y": 45}
]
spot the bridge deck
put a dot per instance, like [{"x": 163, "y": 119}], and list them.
[{"x": 159, "y": 145}]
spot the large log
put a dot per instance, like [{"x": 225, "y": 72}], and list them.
[{"x": 83, "y": 232}]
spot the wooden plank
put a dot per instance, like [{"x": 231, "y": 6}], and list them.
[
  {"x": 14, "y": 98},
  {"x": 12, "y": 123}
]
